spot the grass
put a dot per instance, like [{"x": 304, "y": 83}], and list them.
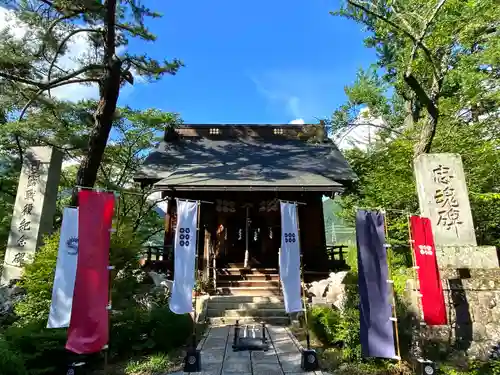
[
  {"x": 330, "y": 359},
  {"x": 153, "y": 364}
]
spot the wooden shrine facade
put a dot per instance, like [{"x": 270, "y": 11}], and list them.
[{"x": 240, "y": 173}]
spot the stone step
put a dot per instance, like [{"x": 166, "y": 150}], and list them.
[
  {"x": 245, "y": 299},
  {"x": 246, "y": 312},
  {"x": 220, "y": 305},
  {"x": 257, "y": 291},
  {"x": 250, "y": 277},
  {"x": 274, "y": 320},
  {"x": 246, "y": 271},
  {"x": 247, "y": 283}
]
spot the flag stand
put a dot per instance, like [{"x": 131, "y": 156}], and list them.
[
  {"x": 111, "y": 278},
  {"x": 424, "y": 366},
  {"x": 74, "y": 367},
  {"x": 394, "y": 317},
  {"x": 192, "y": 361},
  {"x": 417, "y": 290},
  {"x": 309, "y": 357}
]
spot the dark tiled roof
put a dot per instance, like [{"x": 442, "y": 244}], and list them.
[{"x": 212, "y": 164}]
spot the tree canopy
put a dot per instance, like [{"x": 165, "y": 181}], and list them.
[
  {"x": 441, "y": 57},
  {"x": 33, "y": 66}
]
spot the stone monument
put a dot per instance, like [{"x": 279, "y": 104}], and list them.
[
  {"x": 34, "y": 208},
  {"x": 470, "y": 274}
]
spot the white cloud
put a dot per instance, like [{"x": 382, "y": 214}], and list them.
[
  {"x": 297, "y": 93},
  {"x": 298, "y": 121}
]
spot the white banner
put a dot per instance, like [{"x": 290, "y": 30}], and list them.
[
  {"x": 184, "y": 257},
  {"x": 290, "y": 258},
  {"x": 64, "y": 280}
]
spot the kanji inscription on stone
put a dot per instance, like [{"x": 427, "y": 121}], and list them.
[
  {"x": 443, "y": 198},
  {"x": 34, "y": 208}
]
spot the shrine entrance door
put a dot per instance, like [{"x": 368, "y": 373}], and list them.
[{"x": 247, "y": 236}]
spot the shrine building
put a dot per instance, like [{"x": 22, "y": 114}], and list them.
[{"x": 240, "y": 173}]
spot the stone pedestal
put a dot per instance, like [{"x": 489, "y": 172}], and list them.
[
  {"x": 470, "y": 274},
  {"x": 34, "y": 208},
  {"x": 472, "y": 299}
]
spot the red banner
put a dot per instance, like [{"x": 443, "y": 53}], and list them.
[
  {"x": 433, "y": 306},
  {"x": 88, "y": 329}
]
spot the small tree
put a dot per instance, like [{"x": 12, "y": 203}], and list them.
[{"x": 31, "y": 66}]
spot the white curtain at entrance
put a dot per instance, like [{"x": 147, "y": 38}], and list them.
[
  {"x": 184, "y": 257},
  {"x": 290, "y": 258},
  {"x": 64, "y": 280}
]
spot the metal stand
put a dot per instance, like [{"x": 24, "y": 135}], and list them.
[
  {"x": 424, "y": 366},
  {"x": 249, "y": 343},
  {"x": 391, "y": 282},
  {"x": 78, "y": 367},
  {"x": 192, "y": 361},
  {"x": 309, "y": 357}
]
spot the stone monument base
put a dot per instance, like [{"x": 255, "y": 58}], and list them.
[
  {"x": 466, "y": 256},
  {"x": 472, "y": 298}
]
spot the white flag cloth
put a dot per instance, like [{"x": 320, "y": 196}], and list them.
[
  {"x": 290, "y": 258},
  {"x": 184, "y": 257},
  {"x": 64, "y": 280}
]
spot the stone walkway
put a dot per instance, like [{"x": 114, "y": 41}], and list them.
[{"x": 282, "y": 358}]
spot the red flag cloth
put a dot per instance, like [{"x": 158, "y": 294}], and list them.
[
  {"x": 88, "y": 329},
  {"x": 433, "y": 306}
]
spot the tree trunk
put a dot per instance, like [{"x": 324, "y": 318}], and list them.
[
  {"x": 427, "y": 133},
  {"x": 103, "y": 122}
]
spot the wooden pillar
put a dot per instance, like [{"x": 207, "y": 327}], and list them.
[{"x": 168, "y": 241}]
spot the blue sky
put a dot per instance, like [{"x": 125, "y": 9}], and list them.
[{"x": 251, "y": 61}]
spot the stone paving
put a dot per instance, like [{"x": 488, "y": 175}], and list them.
[{"x": 218, "y": 358}]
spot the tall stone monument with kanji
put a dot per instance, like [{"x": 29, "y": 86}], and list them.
[
  {"x": 34, "y": 208},
  {"x": 470, "y": 273}
]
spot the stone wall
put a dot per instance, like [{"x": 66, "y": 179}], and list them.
[{"x": 472, "y": 298}]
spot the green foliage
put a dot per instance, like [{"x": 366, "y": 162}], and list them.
[
  {"x": 137, "y": 331},
  {"x": 11, "y": 363},
  {"x": 155, "y": 363},
  {"x": 440, "y": 57},
  {"x": 37, "y": 281},
  {"x": 41, "y": 349}
]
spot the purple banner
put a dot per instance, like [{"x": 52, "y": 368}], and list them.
[{"x": 376, "y": 326}]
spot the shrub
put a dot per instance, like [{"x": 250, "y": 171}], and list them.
[
  {"x": 38, "y": 278},
  {"x": 37, "y": 282},
  {"x": 138, "y": 331},
  {"x": 11, "y": 362},
  {"x": 42, "y": 349}
]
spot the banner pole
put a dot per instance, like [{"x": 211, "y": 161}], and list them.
[
  {"x": 196, "y": 273},
  {"x": 304, "y": 299},
  {"x": 389, "y": 259},
  {"x": 110, "y": 269},
  {"x": 417, "y": 289}
]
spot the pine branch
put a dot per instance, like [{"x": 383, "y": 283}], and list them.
[
  {"x": 61, "y": 81},
  {"x": 62, "y": 44}
]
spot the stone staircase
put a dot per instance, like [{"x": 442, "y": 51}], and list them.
[
  {"x": 249, "y": 295},
  {"x": 239, "y": 281},
  {"x": 228, "y": 309}
]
